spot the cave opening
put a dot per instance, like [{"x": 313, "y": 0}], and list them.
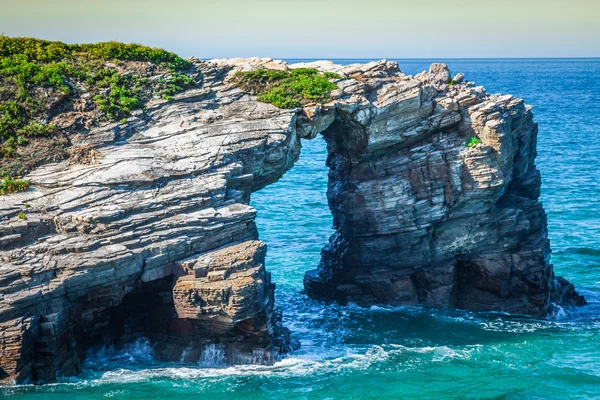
[
  {"x": 148, "y": 315},
  {"x": 465, "y": 273},
  {"x": 146, "y": 312}
]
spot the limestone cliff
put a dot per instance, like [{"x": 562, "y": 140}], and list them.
[{"x": 154, "y": 236}]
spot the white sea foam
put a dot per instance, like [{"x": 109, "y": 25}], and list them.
[
  {"x": 287, "y": 367},
  {"x": 114, "y": 393},
  {"x": 213, "y": 355},
  {"x": 184, "y": 354},
  {"x": 438, "y": 353},
  {"x": 558, "y": 312}
]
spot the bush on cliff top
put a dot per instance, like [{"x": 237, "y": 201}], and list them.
[
  {"x": 41, "y": 80},
  {"x": 46, "y": 51},
  {"x": 288, "y": 88}
]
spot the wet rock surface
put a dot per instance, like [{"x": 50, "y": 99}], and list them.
[{"x": 154, "y": 236}]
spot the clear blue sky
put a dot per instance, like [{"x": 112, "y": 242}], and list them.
[{"x": 320, "y": 29}]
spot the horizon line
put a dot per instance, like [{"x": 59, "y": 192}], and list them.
[{"x": 410, "y": 58}]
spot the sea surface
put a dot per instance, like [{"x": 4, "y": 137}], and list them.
[{"x": 413, "y": 353}]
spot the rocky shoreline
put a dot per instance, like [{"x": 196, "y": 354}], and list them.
[{"x": 155, "y": 237}]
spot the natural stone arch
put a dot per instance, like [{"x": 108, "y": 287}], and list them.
[
  {"x": 167, "y": 205},
  {"x": 421, "y": 218}
]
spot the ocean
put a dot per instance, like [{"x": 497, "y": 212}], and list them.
[{"x": 417, "y": 353}]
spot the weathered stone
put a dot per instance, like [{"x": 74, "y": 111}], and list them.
[
  {"x": 422, "y": 219},
  {"x": 107, "y": 240},
  {"x": 459, "y": 78},
  {"x": 201, "y": 272},
  {"x": 217, "y": 275},
  {"x": 130, "y": 244}
]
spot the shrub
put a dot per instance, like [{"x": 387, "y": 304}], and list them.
[
  {"x": 133, "y": 52},
  {"x": 44, "y": 50},
  {"x": 288, "y": 88},
  {"x": 22, "y": 216},
  {"x": 281, "y": 97},
  {"x": 331, "y": 75},
  {"x": 473, "y": 141},
  {"x": 11, "y": 185},
  {"x": 174, "y": 84},
  {"x": 40, "y": 77}
]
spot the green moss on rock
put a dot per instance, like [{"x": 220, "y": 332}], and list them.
[{"x": 473, "y": 141}]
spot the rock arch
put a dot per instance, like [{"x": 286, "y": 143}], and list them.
[{"x": 164, "y": 215}]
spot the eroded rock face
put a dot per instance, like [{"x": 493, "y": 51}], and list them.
[
  {"x": 103, "y": 238},
  {"x": 153, "y": 235},
  {"x": 421, "y": 218}
]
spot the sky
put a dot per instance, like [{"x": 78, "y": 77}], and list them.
[{"x": 320, "y": 28}]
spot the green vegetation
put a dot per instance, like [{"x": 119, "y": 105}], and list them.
[
  {"x": 41, "y": 79},
  {"x": 451, "y": 83},
  {"x": 288, "y": 88},
  {"x": 331, "y": 75},
  {"x": 46, "y": 51},
  {"x": 174, "y": 84},
  {"x": 122, "y": 97},
  {"x": 22, "y": 216},
  {"x": 473, "y": 141},
  {"x": 11, "y": 185}
]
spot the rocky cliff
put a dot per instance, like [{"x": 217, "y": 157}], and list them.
[
  {"x": 150, "y": 232},
  {"x": 434, "y": 194}
]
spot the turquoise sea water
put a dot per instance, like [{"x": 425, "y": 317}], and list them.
[{"x": 377, "y": 353}]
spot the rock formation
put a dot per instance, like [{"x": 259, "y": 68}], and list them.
[
  {"x": 153, "y": 235},
  {"x": 121, "y": 247},
  {"x": 422, "y": 218}
]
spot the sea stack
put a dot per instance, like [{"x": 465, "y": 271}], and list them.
[
  {"x": 432, "y": 186},
  {"x": 434, "y": 194}
]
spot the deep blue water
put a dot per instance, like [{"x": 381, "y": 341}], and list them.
[{"x": 353, "y": 353}]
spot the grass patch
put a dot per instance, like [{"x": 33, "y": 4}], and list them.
[
  {"x": 173, "y": 84},
  {"x": 288, "y": 88},
  {"x": 40, "y": 80},
  {"x": 22, "y": 216},
  {"x": 12, "y": 185},
  {"x": 473, "y": 141}
]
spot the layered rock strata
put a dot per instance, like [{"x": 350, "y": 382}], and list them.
[
  {"x": 155, "y": 237},
  {"x": 422, "y": 218},
  {"x": 112, "y": 250}
]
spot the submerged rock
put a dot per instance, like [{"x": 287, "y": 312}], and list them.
[{"x": 155, "y": 237}]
